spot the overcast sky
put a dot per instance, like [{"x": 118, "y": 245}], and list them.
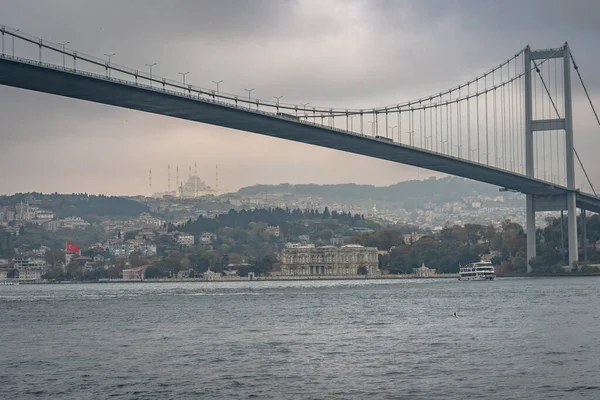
[{"x": 334, "y": 53}]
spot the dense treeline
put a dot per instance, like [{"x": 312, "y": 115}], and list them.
[
  {"x": 553, "y": 244},
  {"x": 457, "y": 245},
  {"x": 454, "y": 245},
  {"x": 272, "y": 216},
  {"x": 78, "y": 205}
]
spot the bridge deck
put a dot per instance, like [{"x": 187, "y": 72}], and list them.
[{"x": 99, "y": 89}]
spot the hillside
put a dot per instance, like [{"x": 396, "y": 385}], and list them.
[
  {"x": 78, "y": 205},
  {"x": 407, "y": 194}
]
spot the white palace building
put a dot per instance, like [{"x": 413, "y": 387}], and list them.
[{"x": 329, "y": 260}]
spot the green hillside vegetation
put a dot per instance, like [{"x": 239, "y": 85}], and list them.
[
  {"x": 78, "y": 205},
  {"x": 33, "y": 236},
  {"x": 273, "y": 217}
]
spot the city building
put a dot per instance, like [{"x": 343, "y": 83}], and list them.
[
  {"x": 299, "y": 245},
  {"x": 121, "y": 250},
  {"x": 184, "y": 274},
  {"x": 194, "y": 187},
  {"x": 52, "y": 225},
  {"x": 206, "y": 238},
  {"x": 137, "y": 273},
  {"x": 211, "y": 276},
  {"x": 41, "y": 252},
  {"x": 147, "y": 250},
  {"x": 423, "y": 271},
  {"x": 412, "y": 238},
  {"x": 4, "y": 273},
  {"x": 185, "y": 239},
  {"x": 329, "y": 260},
  {"x": 147, "y": 220},
  {"x": 29, "y": 263},
  {"x": 272, "y": 231},
  {"x": 12, "y": 230},
  {"x": 31, "y": 274},
  {"x": 67, "y": 223}
]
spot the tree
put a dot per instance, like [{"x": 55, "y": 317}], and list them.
[
  {"x": 265, "y": 264},
  {"x": 73, "y": 269},
  {"x": 57, "y": 274},
  {"x": 201, "y": 261},
  {"x": 95, "y": 274},
  {"x": 55, "y": 257},
  {"x": 137, "y": 260},
  {"x": 387, "y": 238},
  {"x": 130, "y": 235},
  {"x": 153, "y": 272}
]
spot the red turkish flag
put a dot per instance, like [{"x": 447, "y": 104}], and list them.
[{"x": 72, "y": 248}]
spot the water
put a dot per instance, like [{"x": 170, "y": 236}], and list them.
[{"x": 514, "y": 338}]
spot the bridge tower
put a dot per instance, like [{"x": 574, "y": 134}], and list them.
[{"x": 541, "y": 126}]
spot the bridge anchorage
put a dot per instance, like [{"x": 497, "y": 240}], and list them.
[{"x": 511, "y": 127}]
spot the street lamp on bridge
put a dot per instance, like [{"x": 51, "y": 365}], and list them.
[
  {"x": 13, "y": 43},
  {"x": 249, "y": 92},
  {"x": 277, "y": 97},
  {"x": 150, "y": 66},
  {"x": 63, "y": 51},
  {"x": 183, "y": 74},
  {"x": 217, "y": 83},
  {"x": 107, "y": 65},
  {"x": 304, "y": 108}
]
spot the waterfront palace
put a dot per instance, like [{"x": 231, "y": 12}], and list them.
[{"x": 329, "y": 260}]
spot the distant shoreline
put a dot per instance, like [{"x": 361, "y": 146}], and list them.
[
  {"x": 257, "y": 279},
  {"x": 534, "y": 275},
  {"x": 307, "y": 278}
]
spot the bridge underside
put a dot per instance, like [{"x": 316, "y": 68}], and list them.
[{"x": 73, "y": 85}]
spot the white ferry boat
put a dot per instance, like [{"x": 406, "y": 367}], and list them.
[{"x": 477, "y": 271}]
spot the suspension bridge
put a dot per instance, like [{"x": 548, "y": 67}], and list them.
[{"x": 511, "y": 126}]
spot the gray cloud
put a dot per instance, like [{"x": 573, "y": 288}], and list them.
[{"x": 332, "y": 53}]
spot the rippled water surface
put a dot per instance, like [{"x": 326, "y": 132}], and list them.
[{"x": 513, "y": 339}]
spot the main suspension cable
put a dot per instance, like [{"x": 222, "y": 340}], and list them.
[
  {"x": 584, "y": 87},
  {"x": 558, "y": 115}
]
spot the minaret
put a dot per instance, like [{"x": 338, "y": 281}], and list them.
[
  {"x": 216, "y": 179},
  {"x": 196, "y": 177},
  {"x": 177, "y": 181},
  {"x": 150, "y": 179},
  {"x": 169, "y": 178}
]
